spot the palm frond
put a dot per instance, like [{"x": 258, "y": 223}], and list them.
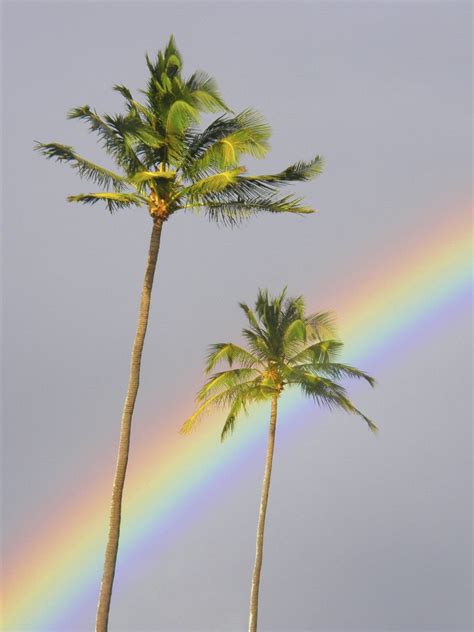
[
  {"x": 124, "y": 91},
  {"x": 198, "y": 142},
  {"x": 327, "y": 393},
  {"x": 194, "y": 419},
  {"x": 113, "y": 201},
  {"x": 319, "y": 352},
  {"x": 86, "y": 169},
  {"x": 134, "y": 105},
  {"x": 227, "y": 380},
  {"x": 251, "y": 317},
  {"x": 237, "y": 407},
  {"x": 258, "y": 344},
  {"x": 339, "y": 371},
  {"x": 248, "y": 135},
  {"x": 172, "y": 56},
  {"x": 204, "y": 92},
  {"x": 249, "y": 392},
  {"x": 180, "y": 115},
  {"x": 133, "y": 130},
  {"x": 295, "y": 333},
  {"x": 145, "y": 176},
  {"x": 234, "y": 212},
  {"x": 210, "y": 185},
  {"x": 111, "y": 142},
  {"x": 298, "y": 172},
  {"x": 230, "y": 353},
  {"x": 321, "y": 326}
]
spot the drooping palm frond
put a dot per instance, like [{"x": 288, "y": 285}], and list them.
[
  {"x": 198, "y": 142},
  {"x": 230, "y": 353},
  {"x": 224, "y": 142},
  {"x": 237, "y": 407},
  {"x": 250, "y": 392},
  {"x": 225, "y": 381},
  {"x": 317, "y": 353},
  {"x": 232, "y": 213},
  {"x": 113, "y": 201},
  {"x": 111, "y": 142},
  {"x": 205, "y": 93},
  {"x": 86, "y": 169},
  {"x": 328, "y": 393},
  {"x": 210, "y": 186},
  {"x": 335, "y": 370},
  {"x": 136, "y": 107},
  {"x": 180, "y": 116},
  {"x": 149, "y": 176},
  {"x": 321, "y": 326},
  {"x": 298, "y": 172}
]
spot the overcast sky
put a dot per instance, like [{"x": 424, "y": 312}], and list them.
[{"x": 362, "y": 534}]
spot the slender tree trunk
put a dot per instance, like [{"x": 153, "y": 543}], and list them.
[
  {"x": 261, "y": 519},
  {"x": 122, "y": 459}
]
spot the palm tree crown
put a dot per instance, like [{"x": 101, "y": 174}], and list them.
[
  {"x": 285, "y": 348},
  {"x": 165, "y": 163}
]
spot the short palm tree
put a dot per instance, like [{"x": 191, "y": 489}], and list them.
[
  {"x": 165, "y": 164},
  {"x": 286, "y": 349}
]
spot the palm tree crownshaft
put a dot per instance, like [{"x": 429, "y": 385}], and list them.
[
  {"x": 261, "y": 518},
  {"x": 122, "y": 459}
]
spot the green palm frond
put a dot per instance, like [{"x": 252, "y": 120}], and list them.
[
  {"x": 317, "y": 386},
  {"x": 207, "y": 101},
  {"x": 298, "y": 172},
  {"x": 336, "y": 370},
  {"x": 180, "y": 116},
  {"x": 133, "y": 131},
  {"x": 245, "y": 134},
  {"x": 111, "y": 142},
  {"x": 321, "y": 326},
  {"x": 86, "y": 169},
  {"x": 145, "y": 176},
  {"x": 113, "y": 136},
  {"x": 211, "y": 185},
  {"x": 317, "y": 353},
  {"x": 295, "y": 333},
  {"x": 172, "y": 56},
  {"x": 198, "y": 142},
  {"x": 230, "y": 353},
  {"x": 328, "y": 393},
  {"x": 250, "y": 392},
  {"x": 194, "y": 419},
  {"x": 113, "y": 201},
  {"x": 234, "y": 212},
  {"x": 204, "y": 92},
  {"x": 226, "y": 381},
  {"x": 237, "y": 407},
  {"x": 124, "y": 91},
  {"x": 137, "y": 108},
  {"x": 257, "y": 344}
]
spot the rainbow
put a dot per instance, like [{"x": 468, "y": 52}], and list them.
[{"x": 56, "y": 571}]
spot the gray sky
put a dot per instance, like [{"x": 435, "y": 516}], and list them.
[{"x": 362, "y": 534}]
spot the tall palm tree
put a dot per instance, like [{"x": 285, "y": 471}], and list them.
[
  {"x": 286, "y": 349},
  {"x": 165, "y": 164}
]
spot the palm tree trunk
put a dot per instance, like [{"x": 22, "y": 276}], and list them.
[
  {"x": 122, "y": 459},
  {"x": 261, "y": 519}
]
